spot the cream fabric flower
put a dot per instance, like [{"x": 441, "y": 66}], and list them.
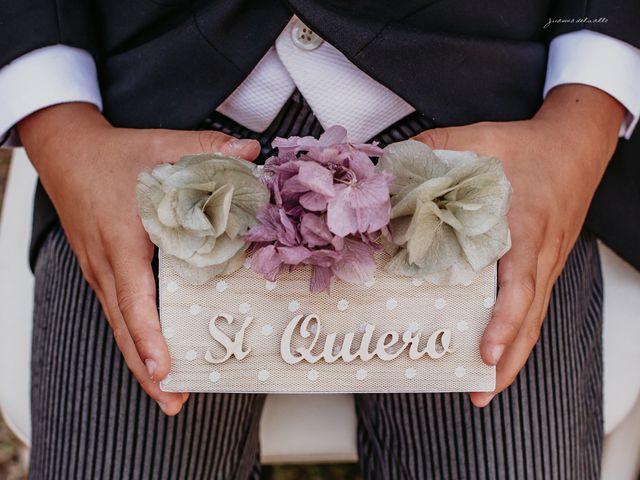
[
  {"x": 448, "y": 216},
  {"x": 198, "y": 211}
]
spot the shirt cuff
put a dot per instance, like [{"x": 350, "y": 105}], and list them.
[
  {"x": 601, "y": 61},
  {"x": 41, "y": 78}
]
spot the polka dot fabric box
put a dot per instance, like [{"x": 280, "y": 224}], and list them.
[{"x": 240, "y": 333}]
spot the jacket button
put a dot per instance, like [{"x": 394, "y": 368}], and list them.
[{"x": 303, "y": 37}]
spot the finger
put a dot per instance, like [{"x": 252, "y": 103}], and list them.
[
  {"x": 439, "y": 138},
  {"x": 518, "y": 353},
  {"x": 136, "y": 295},
  {"x": 469, "y": 137},
  {"x": 517, "y": 273},
  {"x": 515, "y": 358},
  {"x": 176, "y": 144},
  {"x": 169, "y": 402}
]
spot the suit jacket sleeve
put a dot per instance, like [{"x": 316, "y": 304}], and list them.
[
  {"x": 26, "y": 25},
  {"x": 617, "y": 18}
]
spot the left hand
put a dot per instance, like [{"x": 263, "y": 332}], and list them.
[{"x": 554, "y": 162}]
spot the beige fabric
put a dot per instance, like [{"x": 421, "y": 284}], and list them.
[{"x": 391, "y": 303}]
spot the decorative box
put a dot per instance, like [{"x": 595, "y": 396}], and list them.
[
  {"x": 433, "y": 333},
  {"x": 326, "y": 272}
]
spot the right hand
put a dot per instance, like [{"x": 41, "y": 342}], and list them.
[{"x": 89, "y": 170}]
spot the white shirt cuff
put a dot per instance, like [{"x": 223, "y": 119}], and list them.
[
  {"x": 601, "y": 61},
  {"x": 41, "y": 78}
]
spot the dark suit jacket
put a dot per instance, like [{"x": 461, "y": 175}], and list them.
[{"x": 169, "y": 63}]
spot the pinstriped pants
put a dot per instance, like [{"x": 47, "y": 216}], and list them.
[{"x": 91, "y": 420}]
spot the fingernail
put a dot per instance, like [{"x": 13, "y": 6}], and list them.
[
  {"x": 496, "y": 353},
  {"x": 151, "y": 366},
  {"x": 242, "y": 147}
]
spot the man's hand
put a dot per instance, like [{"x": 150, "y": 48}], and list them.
[
  {"x": 89, "y": 169},
  {"x": 554, "y": 162}
]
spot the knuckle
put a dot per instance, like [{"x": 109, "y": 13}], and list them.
[
  {"x": 88, "y": 270},
  {"x": 557, "y": 248},
  {"x": 210, "y": 141},
  {"x": 508, "y": 326},
  {"x": 129, "y": 303},
  {"x": 527, "y": 284},
  {"x": 141, "y": 339},
  {"x": 437, "y": 138}
]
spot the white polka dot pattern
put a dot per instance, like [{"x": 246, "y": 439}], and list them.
[
  {"x": 343, "y": 304},
  {"x": 294, "y": 305},
  {"x": 409, "y": 307},
  {"x": 169, "y": 332}
]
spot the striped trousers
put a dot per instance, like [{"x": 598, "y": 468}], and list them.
[{"x": 91, "y": 420}]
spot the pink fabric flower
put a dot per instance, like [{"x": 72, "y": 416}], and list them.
[{"x": 328, "y": 207}]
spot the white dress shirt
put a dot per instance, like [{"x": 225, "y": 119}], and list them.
[{"x": 337, "y": 91}]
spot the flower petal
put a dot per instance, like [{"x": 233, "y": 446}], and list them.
[
  {"x": 314, "y": 230},
  {"x": 293, "y": 255},
  {"x": 266, "y": 261},
  {"x": 320, "y": 279},
  {"x": 356, "y": 265},
  {"x": 316, "y": 178},
  {"x": 485, "y": 249},
  {"x": 335, "y": 134},
  {"x": 222, "y": 251},
  {"x": 411, "y": 163},
  {"x": 313, "y": 201},
  {"x": 370, "y": 191},
  {"x": 217, "y": 207},
  {"x": 341, "y": 218}
]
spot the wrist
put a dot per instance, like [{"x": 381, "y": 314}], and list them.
[
  {"x": 585, "y": 119},
  {"x": 59, "y": 127}
]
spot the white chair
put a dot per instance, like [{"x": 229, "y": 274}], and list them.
[{"x": 288, "y": 419}]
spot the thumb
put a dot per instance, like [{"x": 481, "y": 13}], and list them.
[
  {"x": 181, "y": 143},
  {"x": 453, "y": 138}
]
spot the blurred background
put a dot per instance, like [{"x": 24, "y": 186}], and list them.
[{"x": 13, "y": 455}]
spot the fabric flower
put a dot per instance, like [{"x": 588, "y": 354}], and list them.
[
  {"x": 328, "y": 207},
  {"x": 199, "y": 209},
  {"x": 448, "y": 215}
]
